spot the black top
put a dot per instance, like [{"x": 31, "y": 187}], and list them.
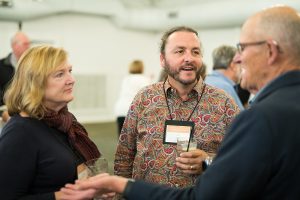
[
  {"x": 259, "y": 156},
  {"x": 243, "y": 94},
  {"x": 6, "y": 73},
  {"x": 35, "y": 160}
]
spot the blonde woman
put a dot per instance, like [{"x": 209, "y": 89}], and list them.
[{"x": 42, "y": 144}]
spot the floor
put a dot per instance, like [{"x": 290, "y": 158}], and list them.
[{"x": 106, "y": 137}]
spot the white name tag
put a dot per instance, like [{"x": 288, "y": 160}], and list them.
[{"x": 175, "y": 129}]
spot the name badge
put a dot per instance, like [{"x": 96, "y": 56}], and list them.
[{"x": 175, "y": 129}]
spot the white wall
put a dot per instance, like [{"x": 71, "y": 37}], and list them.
[{"x": 96, "y": 46}]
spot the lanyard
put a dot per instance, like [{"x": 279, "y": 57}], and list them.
[{"x": 204, "y": 85}]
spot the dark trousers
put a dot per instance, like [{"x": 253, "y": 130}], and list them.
[{"x": 120, "y": 122}]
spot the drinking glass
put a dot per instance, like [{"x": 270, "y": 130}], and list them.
[
  {"x": 96, "y": 166},
  {"x": 183, "y": 144}
]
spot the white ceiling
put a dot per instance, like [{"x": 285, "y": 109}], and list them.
[{"x": 147, "y": 15}]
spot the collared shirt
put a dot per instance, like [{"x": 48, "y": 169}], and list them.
[
  {"x": 141, "y": 153},
  {"x": 218, "y": 80},
  {"x": 13, "y": 60}
]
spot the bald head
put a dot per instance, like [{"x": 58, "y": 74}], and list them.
[
  {"x": 19, "y": 44},
  {"x": 281, "y": 24},
  {"x": 269, "y": 46}
]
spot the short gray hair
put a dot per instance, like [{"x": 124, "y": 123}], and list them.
[{"x": 222, "y": 56}]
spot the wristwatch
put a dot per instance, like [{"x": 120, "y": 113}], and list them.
[{"x": 207, "y": 162}]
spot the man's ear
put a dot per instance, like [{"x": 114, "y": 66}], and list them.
[
  {"x": 273, "y": 51},
  {"x": 162, "y": 60}
]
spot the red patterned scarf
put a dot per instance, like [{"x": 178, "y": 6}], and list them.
[{"x": 78, "y": 136}]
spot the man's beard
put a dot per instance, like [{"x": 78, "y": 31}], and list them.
[{"x": 175, "y": 74}]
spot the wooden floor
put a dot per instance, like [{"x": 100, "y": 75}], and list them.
[{"x": 106, "y": 137}]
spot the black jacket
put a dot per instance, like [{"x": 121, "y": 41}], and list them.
[
  {"x": 7, "y": 71},
  {"x": 36, "y": 160}
]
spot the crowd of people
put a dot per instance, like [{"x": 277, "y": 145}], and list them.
[{"x": 43, "y": 146}]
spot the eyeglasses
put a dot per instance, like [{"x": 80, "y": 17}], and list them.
[{"x": 241, "y": 46}]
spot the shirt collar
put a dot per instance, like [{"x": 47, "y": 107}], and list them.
[{"x": 197, "y": 88}]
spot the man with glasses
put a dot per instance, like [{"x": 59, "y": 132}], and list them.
[{"x": 259, "y": 157}]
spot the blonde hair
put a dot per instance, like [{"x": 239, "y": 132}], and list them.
[
  {"x": 136, "y": 67},
  {"x": 27, "y": 89}
]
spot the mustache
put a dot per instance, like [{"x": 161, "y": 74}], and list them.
[{"x": 188, "y": 65}]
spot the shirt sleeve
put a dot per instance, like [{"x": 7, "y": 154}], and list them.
[{"x": 126, "y": 148}]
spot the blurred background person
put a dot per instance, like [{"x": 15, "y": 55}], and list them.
[
  {"x": 19, "y": 43},
  {"x": 226, "y": 72},
  {"x": 243, "y": 94},
  {"x": 42, "y": 144},
  {"x": 131, "y": 84}
]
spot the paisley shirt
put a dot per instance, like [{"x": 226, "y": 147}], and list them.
[{"x": 141, "y": 153}]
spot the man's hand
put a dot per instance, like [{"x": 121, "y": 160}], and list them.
[
  {"x": 102, "y": 185},
  {"x": 191, "y": 162}
]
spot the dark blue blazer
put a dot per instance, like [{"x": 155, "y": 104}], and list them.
[{"x": 259, "y": 157}]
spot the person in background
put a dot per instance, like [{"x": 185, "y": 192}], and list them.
[
  {"x": 146, "y": 150},
  {"x": 19, "y": 43},
  {"x": 131, "y": 84},
  {"x": 43, "y": 143},
  {"x": 243, "y": 94},
  {"x": 226, "y": 72},
  {"x": 258, "y": 158}
]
